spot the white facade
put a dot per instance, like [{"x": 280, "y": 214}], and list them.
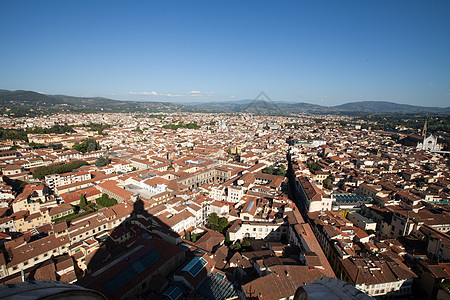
[
  {"x": 218, "y": 193},
  {"x": 400, "y": 287},
  {"x": 153, "y": 189},
  {"x": 56, "y": 180},
  {"x": 429, "y": 143},
  {"x": 7, "y": 224},
  {"x": 361, "y": 221},
  {"x": 235, "y": 194},
  {"x": 324, "y": 204},
  {"x": 184, "y": 224},
  {"x": 257, "y": 230}
]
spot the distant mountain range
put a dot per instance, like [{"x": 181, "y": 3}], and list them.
[
  {"x": 32, "y": 103},
  {"x": 385, "y": 106}
]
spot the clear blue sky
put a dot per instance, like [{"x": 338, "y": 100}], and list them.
[{"x": 324, "y": 52}]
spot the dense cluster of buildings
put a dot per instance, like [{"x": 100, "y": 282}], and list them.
[{"x": 354, "y": 205}]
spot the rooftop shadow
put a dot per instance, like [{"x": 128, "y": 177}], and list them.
[{"x": 134, "y": 259}]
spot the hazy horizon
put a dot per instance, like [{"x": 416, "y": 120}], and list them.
[{"x": 237, "y": 101}]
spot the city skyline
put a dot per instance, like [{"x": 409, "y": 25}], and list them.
[{"x": 323, "y": 53}]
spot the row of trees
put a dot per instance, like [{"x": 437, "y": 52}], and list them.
[
  {"x": 191, "y": 236},
  {"x": 173, "y": 126},
  {"x": 21, "y": 134},
  {"x": 85, "y": 207},
  {"x": 40, "y": 172}
]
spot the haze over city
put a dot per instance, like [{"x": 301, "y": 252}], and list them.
[{"x": 326, "y": 52}]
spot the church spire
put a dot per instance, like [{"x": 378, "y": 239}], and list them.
[{"x": 424, "y": 131}]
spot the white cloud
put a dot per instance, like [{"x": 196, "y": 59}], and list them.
[
  {"x": 152, "y": 93},
  {"x": 172, "y": 95},
  {"x": 195, "y": 94},
  {"x": 201, "y": 94}
]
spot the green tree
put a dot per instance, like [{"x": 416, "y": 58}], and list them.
[
  {"x": 194, "y": 237},
  {"x": 98, "y": 127},
  {"x": 227, "y": 239},
  {"x": 327, "y": 183},
  {"x": 87, "y": 145},
  {"x": 188, "y": 236},
  {"x": 246, "y": 245},
  {"x": 213, "y": 219},
  {"x": 105, "y": 201},
  {"x": 281, "y": 171},
  {"x": 83, "y": 201},
  {"x": 236, "y": 246},
  {"x": 269, "y": 170},
  {"x": 40, "y": 172},
  {"x": 216, "y": 223},
  {"x": 222, "y": 224},
  {"x": 91, "y": 147},
  {"x": 312, "y": 167},
  {"x": 102, "y": 161}
]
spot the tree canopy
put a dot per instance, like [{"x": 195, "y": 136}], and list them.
[
  {"x": 216, "y": 223},
  {"x": 105, "y": 201},
  {"x": 192, "y": 125},
  {"x": 98, "y": 127},
  {"x": 21, "y": 134},
  {"x": 312, "y": 167},
  {"x": 87, "y": 145},
  {"x": 83, "y": 200},
  {"x": 102, "y": 161},
  {"x": 280, "y": 171},
  {"x": 40, "y": 172}
]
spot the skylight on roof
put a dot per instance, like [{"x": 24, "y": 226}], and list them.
[
  {"x": 250, "y": 206},
  {"x": 129, "y": 273},
  {"x": 195, "y": 266},
  {"x": 184, "y": 247},
  {"x": 173, "y": 292}
]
